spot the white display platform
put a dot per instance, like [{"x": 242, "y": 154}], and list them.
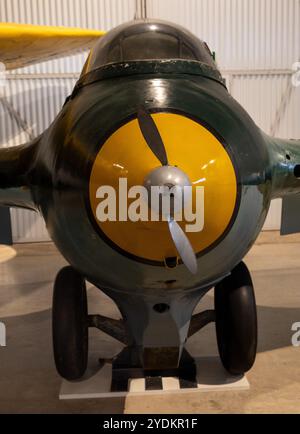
[{"x": 211, "y": 377}]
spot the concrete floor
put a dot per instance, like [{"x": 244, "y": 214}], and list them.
[{"x": 29, "y": 382}]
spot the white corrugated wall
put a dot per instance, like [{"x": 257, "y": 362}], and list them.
[
  {"x": 264, "y": 97},
  {"x": 256, "y": 42},
  {"x": 93, "y": 14},
  {"x": 246, "y": 34},
  {"x": 38, "y": 100}
]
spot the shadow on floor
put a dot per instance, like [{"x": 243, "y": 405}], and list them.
[
  {"x": 28, "y": 379},
  {"x": 29, "y": 382}
]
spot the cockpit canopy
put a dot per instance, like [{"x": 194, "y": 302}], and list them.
[{"x": 148, "y": 40}]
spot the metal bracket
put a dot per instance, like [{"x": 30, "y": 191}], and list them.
[
  {"x": 140, "y": 10},
  {"x": 111, "y": 327},
  {"x": 15, "y": 115},
  {"x": 127, "y": 365},
  {"x": 200, "y": 320}
]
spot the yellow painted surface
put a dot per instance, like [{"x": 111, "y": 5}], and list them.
[
  {"x": 192, "y": 148},
  {"x": 24, "y": 44}
]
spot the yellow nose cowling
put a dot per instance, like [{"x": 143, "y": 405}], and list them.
[{"x": 192, "y": 148}]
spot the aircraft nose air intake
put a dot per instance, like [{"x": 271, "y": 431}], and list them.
[{"x": 186, "y": 164}]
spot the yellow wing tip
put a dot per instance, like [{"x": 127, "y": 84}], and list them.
[
  {"x": 25, "y": 44},
  {"x": 14, "y": 29}
]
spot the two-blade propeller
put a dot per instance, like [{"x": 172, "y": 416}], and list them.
[
  {"x": 152, "y": 136},
  {"x": 155, "y": 143}
]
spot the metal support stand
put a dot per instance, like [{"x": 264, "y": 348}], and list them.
[
  {"x": 5, "y": 227},
  {"x": 127, "y": 366}
]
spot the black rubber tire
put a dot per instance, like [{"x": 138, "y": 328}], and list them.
[
  {"x": 70, "y": 324},
  {"x": 236, "y": 321}
]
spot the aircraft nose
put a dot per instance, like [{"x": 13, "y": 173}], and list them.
[{"x": 196, "y": 158}]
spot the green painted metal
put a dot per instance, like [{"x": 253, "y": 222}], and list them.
[{"x": 284, "y": 157}]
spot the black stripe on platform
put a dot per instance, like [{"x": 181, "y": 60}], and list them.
[
  {"x": 153, "y": 383},
  {"x": 187, "y": 384}
]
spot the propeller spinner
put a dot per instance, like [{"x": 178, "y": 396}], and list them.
[{"x": 169, "y": 176}]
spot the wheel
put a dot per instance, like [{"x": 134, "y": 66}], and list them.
[
  {"x": 70, "y": 324},
  {"x": 236, "y": 321}
]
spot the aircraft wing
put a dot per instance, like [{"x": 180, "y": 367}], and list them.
[
  {"x": 24, "y": 44},
  {"x": 290, "y": 217},
  {"x": 284, "y": 175}
]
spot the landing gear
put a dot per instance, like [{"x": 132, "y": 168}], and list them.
[
  {"x": 70, "y": 324},
  {"x": 234, "y": 315},
  {"x": 236, "y": 321}
]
